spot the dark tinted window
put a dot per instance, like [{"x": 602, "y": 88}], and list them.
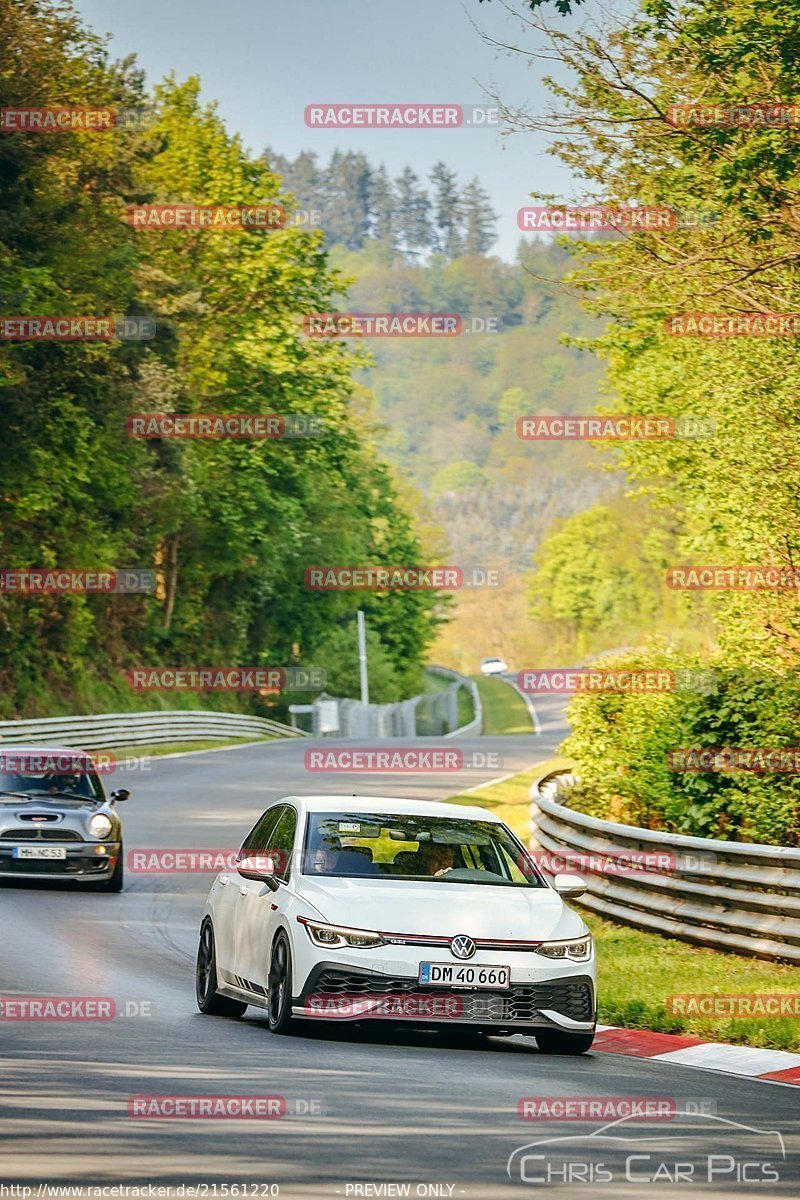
[
  {"x": 49, "y": 772},
  {"x": 412, "y": 846},
  {"x": 282, "y": 843},
  {"x": 258, "y": 839}
]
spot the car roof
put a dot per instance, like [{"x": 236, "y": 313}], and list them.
[
  {"x": 397, "y": 805},
  {"x": 43, "y": 748}
]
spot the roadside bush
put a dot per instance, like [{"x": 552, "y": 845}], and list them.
[{"x": 621, "y": 743}]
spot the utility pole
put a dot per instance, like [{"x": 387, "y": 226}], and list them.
[{"x": 362, "y": 657}]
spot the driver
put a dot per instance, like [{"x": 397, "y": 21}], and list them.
[
  {"x": 438, "y": 858},
  {"x": 64, "y": 783},
  {"x": 324, "y": 858}
]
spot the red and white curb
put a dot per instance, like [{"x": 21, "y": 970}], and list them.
[{"x": 775, "y": 1066}]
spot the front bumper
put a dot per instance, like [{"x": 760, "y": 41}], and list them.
[
  {"x": 83, "y": 861},
  {"x": 565, "y": 1000}
]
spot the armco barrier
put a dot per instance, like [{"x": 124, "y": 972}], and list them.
[
  {"x": 141, "y": 728},
  {"x": 737, "y": 896}
]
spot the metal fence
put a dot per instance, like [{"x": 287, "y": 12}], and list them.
[
  {"x": 736, "y": 896},
  {"x": 433, "y": 715},
  {"x": 357, "y": 720},
  {"x": 141, "y": 728},
  {"x": 476, "y": 724}
]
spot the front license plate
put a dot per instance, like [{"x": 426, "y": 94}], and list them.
[
  {"x": 39, "y": 852},
  {"x": 455, "y": 975}
]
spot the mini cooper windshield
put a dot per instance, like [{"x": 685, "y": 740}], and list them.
[
  {"x": 399, "y": 846},
  {"x": 56, "y": 775}
]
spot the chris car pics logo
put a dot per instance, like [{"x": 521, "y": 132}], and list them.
[{"x": 704, "y": 1149}]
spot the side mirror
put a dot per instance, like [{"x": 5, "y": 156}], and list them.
[
  {"x": 120, "y": 794},
  {"x": 257, "y": 866},
  {"x": 569, "y": 886}
]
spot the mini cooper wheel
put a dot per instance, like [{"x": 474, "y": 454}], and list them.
[
  {"x": 553, "y": 1041},
  {"x": 279, "y": 986},
  {"x": 209, "y": 1000}
]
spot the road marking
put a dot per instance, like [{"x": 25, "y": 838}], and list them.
[{"x": 503, "y": 778}]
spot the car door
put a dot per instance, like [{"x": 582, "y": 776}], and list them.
[
  {"x": 228, "y": 895},
  {"x": 260, "y": 905}
]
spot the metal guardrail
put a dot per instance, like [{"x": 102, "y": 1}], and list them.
[
  {"x": 141, "y": 728},
  {"x": 738, "y": 896}
]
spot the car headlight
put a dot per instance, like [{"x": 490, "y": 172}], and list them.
[
  {"x": 335, "y": 937},
  {"x": 575, "y": 950},
  {"x": 100, "y": 826}
]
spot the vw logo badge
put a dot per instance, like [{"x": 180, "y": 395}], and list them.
[{"x": 462, "y": 946}]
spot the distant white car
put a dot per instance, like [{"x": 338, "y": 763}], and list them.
[
  {"x": 344, "y": 908},
  {"x": 493, "y": 666}
]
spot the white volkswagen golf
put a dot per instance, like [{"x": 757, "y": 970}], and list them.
[{"x": 361, "y": 909}]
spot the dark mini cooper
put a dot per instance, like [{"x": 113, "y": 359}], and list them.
[{"x": 56, "y": 821}]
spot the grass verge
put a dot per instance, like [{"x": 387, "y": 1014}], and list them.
[
  {"x": 504, "y": 710},
  {"x": 639, "y": 971},
  {"x": 432, "y": 686}
]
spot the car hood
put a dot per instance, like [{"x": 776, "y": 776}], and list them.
[
  {"x": 443, "y": 909},
  {"x": 49, "y": 804}
]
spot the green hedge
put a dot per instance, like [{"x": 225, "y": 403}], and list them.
[{"x": 621, "y": 743}]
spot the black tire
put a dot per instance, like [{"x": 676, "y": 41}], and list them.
[
  {"x": 553, "y": 1041},
  {"x": 116, "y": 879},
  {"x": 279, "y": 986},
  {"x": 209, "y": 1001}
]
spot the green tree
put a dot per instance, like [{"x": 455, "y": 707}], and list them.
[
  {"x": 346, "y": 189},
  {"x": 446, "y": 211},
  {"x": 382, "y": 211},
  {"x": 413, "y": 213},
  {"x": 338, "y": 656},
  {"x": 461, "y": 476},
  {"x": 590, "y": 584},
  {"x": 229, "y": 526},
  {"x": 479, "y": 219}
]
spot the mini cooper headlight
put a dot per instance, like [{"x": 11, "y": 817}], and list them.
[
  {"x": 575, "y": 950},
  {"x": 335, "y": 937},
  {"x": 100, "y": 826}
]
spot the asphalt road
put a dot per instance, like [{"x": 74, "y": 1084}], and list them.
[{"x": 368, "y": 1106}]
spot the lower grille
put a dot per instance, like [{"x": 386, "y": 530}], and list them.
[
  {"x": 52, "y": 866},
  {"x": 572, "y": 998},
  {"x": 34, "y": 834}
]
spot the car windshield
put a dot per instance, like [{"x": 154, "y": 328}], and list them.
[
  {"x": 43, "y": 774},
  {"x": 398, "y": 846}
]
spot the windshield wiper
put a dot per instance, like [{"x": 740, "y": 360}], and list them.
[
  {"x": 60, "y": 796},
  {"x": 35, "y": 794}
]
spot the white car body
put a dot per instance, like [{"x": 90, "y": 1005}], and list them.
[
  {"x": 418, "y": 919},
  {"x": 493, "y": 666}
]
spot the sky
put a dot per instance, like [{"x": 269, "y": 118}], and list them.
[{"x": 265, "y": 60}]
